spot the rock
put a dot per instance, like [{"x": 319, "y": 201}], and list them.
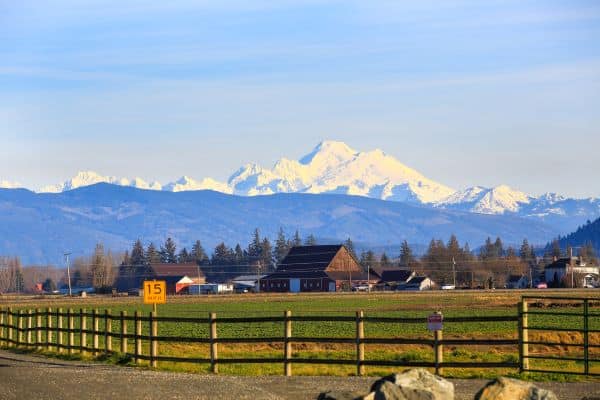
[
  {"x": 414, "y": 384},
  {"x": 340, "y": 395},
  {"x": 388, "y": 391},
  {"x": 513, "y": 389}
]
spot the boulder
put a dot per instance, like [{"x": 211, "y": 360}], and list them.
[
  {"x": 414, "y": 384},
  {"x": 513, "y": 389},
  {"x": 340, "y": 395}
]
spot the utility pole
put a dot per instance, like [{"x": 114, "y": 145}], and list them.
[
  {"x": 368, "y": 279},
  {"x": 454, "y": 272},
  {"x": 68, "y": 272},
  {"x": 258, "y": 267}
]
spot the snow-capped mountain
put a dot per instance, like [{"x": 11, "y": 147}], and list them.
[
  {"x": 497, "y": 200},
  {"x": 9, "y": 185},
  {"x": 551, "y": 208},
  {"x": 87, "y": 178},
  {"x": 333, "y": 167},
  {"x": 186, "y": 183}
]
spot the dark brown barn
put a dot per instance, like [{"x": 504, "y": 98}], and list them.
[{"x": 326, "y": 268}]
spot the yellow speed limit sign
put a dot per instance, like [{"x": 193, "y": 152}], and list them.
[{"x": 155, "y": 292}]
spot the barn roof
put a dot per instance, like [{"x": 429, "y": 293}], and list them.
[
  {"x": 394, "y": 275},
  {"x": 309, "y": 257}
]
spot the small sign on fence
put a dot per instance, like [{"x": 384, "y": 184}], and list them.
[
  {"x": 155, "y": 292},
  {"x": 435, "y": 321}
]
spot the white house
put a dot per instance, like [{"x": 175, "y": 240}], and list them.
[{"x": 572, "y": 272}]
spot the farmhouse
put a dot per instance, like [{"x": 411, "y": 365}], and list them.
[
  {"x": 391, "y": 278},
  {"x": 177, "y": 276},
  {"x": 571, "y": 272},
  {"x": 325, "y": 268},
  {"x": 417, "y": 283}
]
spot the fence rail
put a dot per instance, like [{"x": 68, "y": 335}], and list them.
[{"x": 137, "y": 336}]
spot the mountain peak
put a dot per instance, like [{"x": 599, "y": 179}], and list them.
[{"x": 329, "y": 150}]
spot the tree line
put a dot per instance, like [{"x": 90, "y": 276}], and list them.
[{"x": 447, "y": 262}]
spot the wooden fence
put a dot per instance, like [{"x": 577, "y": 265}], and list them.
[
  {"x": 68, "y": 331},
  {"x": 60, "y": 331},
  {"x": 576, "y": 309}
]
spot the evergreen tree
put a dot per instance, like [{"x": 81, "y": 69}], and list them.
[
  {"x": 281, "y": 247},
  {"x": 297, "y": 241},
  {"x": 266, "y": 254},
  {"x": 487, "y": 250},
  {"x": 498, "y": 248},
  {"x": 525, "y": 251},
  {"x": 406, "y": 255},
  {"x": 255, "y": 246},
  {"x": 453, "y": 248},
  {"x": 555, "y": 251},
  {"x": 101, "y": 268},
  {"x": 368, "y": 259},
  {"x": 384, "y": 260},
  {"x": 198, "y": 254},
  {"x": 48, "y": 286},
  {"x": 152, "y": 254},
  {"x": 184, "y": 256},
  {"x": 221, "y": 255},
  {"x": 311, "y": 240},
  {"x": 137, "y": 254},
  {"x": 168, "y": 251},
  {"x": 240, "y": 257}
]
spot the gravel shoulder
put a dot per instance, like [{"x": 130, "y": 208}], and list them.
[{"x": 24, "y": 376}]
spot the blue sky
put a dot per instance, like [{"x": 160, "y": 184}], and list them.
[{"x": 467, "y": 92}]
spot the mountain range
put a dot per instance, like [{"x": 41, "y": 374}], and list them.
[
  {"x": 40, "y": 227},
  {"x": 335, "y": 168}
]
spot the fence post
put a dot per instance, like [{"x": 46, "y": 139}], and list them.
[
  {"x": 523, "y": 336},
  {"x": 59, "y": 332},
  {"x": 107, "y": 331},
  {"x": 138, "y": 337},
  {"x": 153, "y": 341},
  {"x": 38, "y": 328},
  {"x": 287, "y": 350},
  {"x": 586, "y": 351},
  {"x": 123, "y": 332},
  {"x": 71, "y": 330},
  {"x": 48, "y": 328},
  {"x": 438, "y": 336},
  {"x": 82, "y": 330},
  {"x": 2, "y": 342},
  {"x": 360, "y": 346},
  {"x": 95, "y": 327},
  {"x": 29, "y": 328},
  {"x": 20, "y": 328},
  {"x": 10, "y": 323},
  {"x": 213, "y": 344}
]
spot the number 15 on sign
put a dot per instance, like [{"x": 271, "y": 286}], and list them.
[{"x": 155, "y": 292}]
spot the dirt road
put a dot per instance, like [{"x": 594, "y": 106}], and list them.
[{"x": 30, "y": 376}]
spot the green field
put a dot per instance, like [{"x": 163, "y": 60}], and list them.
[{"x": 404, "y": 305}]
